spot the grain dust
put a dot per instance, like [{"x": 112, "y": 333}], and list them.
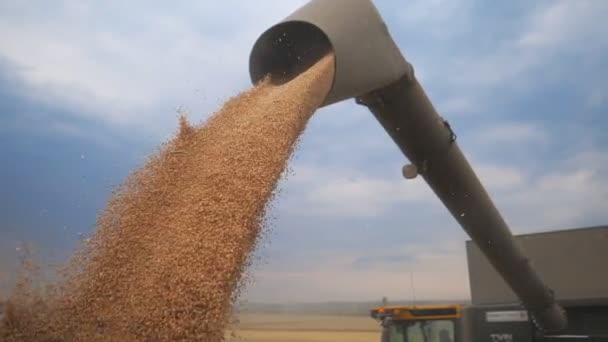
[{"x": 172, "y": 244}]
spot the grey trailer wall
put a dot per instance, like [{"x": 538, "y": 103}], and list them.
[{"x": 574, "y": 263}]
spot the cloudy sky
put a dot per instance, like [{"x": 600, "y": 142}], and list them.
[{"x": 89, "y": 88}]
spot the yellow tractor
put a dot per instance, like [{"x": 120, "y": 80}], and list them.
[{"x": 423, "y": 323}]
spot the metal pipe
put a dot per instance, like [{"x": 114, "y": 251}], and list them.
[
  {"x": 429, "y": 143},
  {"x": 366, "y": 56}
]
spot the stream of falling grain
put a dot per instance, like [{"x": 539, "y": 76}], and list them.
[{"x": 174, "y": 240}]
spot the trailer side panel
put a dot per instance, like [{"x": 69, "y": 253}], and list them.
[{"x": 574, "y": 263}]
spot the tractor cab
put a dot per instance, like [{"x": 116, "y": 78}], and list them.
[{"x": 418, "y": 323}]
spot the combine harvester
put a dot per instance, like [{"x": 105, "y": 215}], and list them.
[{"x": 371, "y": 69}]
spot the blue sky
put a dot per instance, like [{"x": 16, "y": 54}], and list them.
[{"x": 88, "y": 89}]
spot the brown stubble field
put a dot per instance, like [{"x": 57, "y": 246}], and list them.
[{"x": 304, "y": 328}]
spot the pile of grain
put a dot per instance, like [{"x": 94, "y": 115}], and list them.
[{"x": 173, "y": 242}]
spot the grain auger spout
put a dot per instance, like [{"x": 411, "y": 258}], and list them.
[{"x": 370, "y": 68}]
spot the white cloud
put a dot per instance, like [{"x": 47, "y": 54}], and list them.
[
  {"x": 325, "y": 191},
  {"x": 350, "y": 193},
  {"x": 573, "y": 22},
  {"x": 562, "y": 28},
  {"x": 455, "y": 106},
  {"x": 510, "y": 133},
  {"x": 499, "y": 177},
  {"x": 365, "y": 196},
  {"x": 571, "y": 193},
  {"x": 555, "y": 42},
  {"x": 440, "y": 18},
  {"x": 566, "y": 181},
  {"x": 88, "y": 55}
]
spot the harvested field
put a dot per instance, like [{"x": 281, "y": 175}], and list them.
[{"x": 301, "y": 328}]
